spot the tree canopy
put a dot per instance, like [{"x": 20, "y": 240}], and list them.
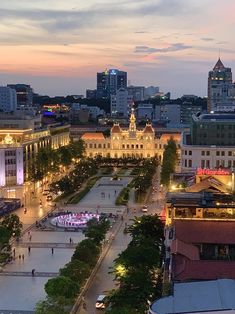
[{"x": 169, "y": 161}]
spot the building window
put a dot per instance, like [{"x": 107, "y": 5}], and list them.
[
  {"x": 202, "y": 163},
  {"x": 90, "y": 145},
  {"x": 207, "y": 163},
  {"x": 190, "y": 153},
  {"x": 217, "y": 153},
  {"x": 229, "y": 153},
  {"x": 229, "y": 163},
  {"x": 127, "y": 146},
  {"x": 123, "y": 146},
  {"x": 190, "y": 163},
  {"x": 185, "y": 163},
  {"x": 207, "y": 153},
  {"x": 141, "y": 146},
  {"x": 222, "y": 153},
  {"x": 203, "y": 153},
  {"x": 185, "y": 152}
]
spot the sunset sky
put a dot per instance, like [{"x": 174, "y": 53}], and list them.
[{"x": 57, "y": 46}]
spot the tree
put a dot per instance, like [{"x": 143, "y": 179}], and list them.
[
  {"x": 147, "y": 227},
  {"x": 77, "y": 148},
  {"x": 61, "y": 287},
  {"x": 169, "y": 161},
  {"x": 139, "y": 255},
  {"x": 49, "y": 306},
  {"x": 87, "y": 252},
  {"x": 13, "y": 224},
  {"x": 65, "y": 155},
  {"x": 96, "y": 230},
  {"x": 76, "y": 270},
  {"x": 5, "y": 236}
]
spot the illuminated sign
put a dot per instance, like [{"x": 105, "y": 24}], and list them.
[{"x": 212, "y": 172}]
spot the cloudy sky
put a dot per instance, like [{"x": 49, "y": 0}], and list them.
[{"x": 57, "y": 46}]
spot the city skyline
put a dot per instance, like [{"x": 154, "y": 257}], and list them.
[{"x": 58, "y": 47}]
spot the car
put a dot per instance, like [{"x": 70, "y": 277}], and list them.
[
  {"x": 49, "y": 197},
  {"x": 45, "y": 192},
  {"x": 144, "y": 209},
  {"x": 100, "y": 302}
]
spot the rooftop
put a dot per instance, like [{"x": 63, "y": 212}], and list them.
[
  {"x": 201, "y": 296},
  {"x": 216, "y": 117},
  {"x": 216, "y": 232},
  {"x": 93, "y": 136},
  {"x": 184, "y": 269}
]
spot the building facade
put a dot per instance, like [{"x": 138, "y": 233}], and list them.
[
  {"x": 24, "y": 94},
  {"x": 20, "y": 145},
  {"x": 8, "y": 99},
  {"x": 221, "y": 89},
  {"x": 137, "y": 92},
  {"x": 210, "y": 144},
  {"x": 129, "y": 142},
  {"x": 120, "y": 103}
]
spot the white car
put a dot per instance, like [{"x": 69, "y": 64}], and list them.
[
  {"x": 100, "y": 304},
  {"x": 144, "y": 209}
]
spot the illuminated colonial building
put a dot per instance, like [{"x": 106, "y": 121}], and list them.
[
  {"x": 129, "y": 142},
  {"x": 20, "y": 140}
]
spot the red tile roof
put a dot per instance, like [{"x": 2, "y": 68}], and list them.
[
  {"x": 148, "y": 129},
  {"x": 116, "y": 128},
  {"x": 186, "y": 270},
  {"x": 93, "y": 136},
  {"x": 217, "y": 232}
]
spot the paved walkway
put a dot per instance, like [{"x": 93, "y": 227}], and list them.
[
  {"x": 25, "y": 274},
  {"x": 17, "y": 280}
]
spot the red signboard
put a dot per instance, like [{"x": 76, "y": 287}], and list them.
[{"x": 213, "y": 172}]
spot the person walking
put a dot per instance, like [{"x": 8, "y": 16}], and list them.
[
  {"x": 14, "y": 252},
  {"x": 23, "y": 257},
  {"x": 70, "y": 240},
  {"x": 33, "y": 272},
  {"x": 30, "y": 237},
  {"x": 52, "y": 250},
  {"x": 29, "y": 249},
  {"x": 19, "y": 256}
]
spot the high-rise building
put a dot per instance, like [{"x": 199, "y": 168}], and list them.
[
  {"x": 8, "y": 99},
  {"x": 24, "y": 94},
  {"x": 91, "y": 93},
  {"x": 151, "y": 92},
  {"x": 109, "y": 81},
  {"x": 120, "y": 103},
  {"x": 137, "y": 92},
  {"x": 221, "y": 89}
]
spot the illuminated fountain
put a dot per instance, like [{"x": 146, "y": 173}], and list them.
[{"x": 76, "y": 220}]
